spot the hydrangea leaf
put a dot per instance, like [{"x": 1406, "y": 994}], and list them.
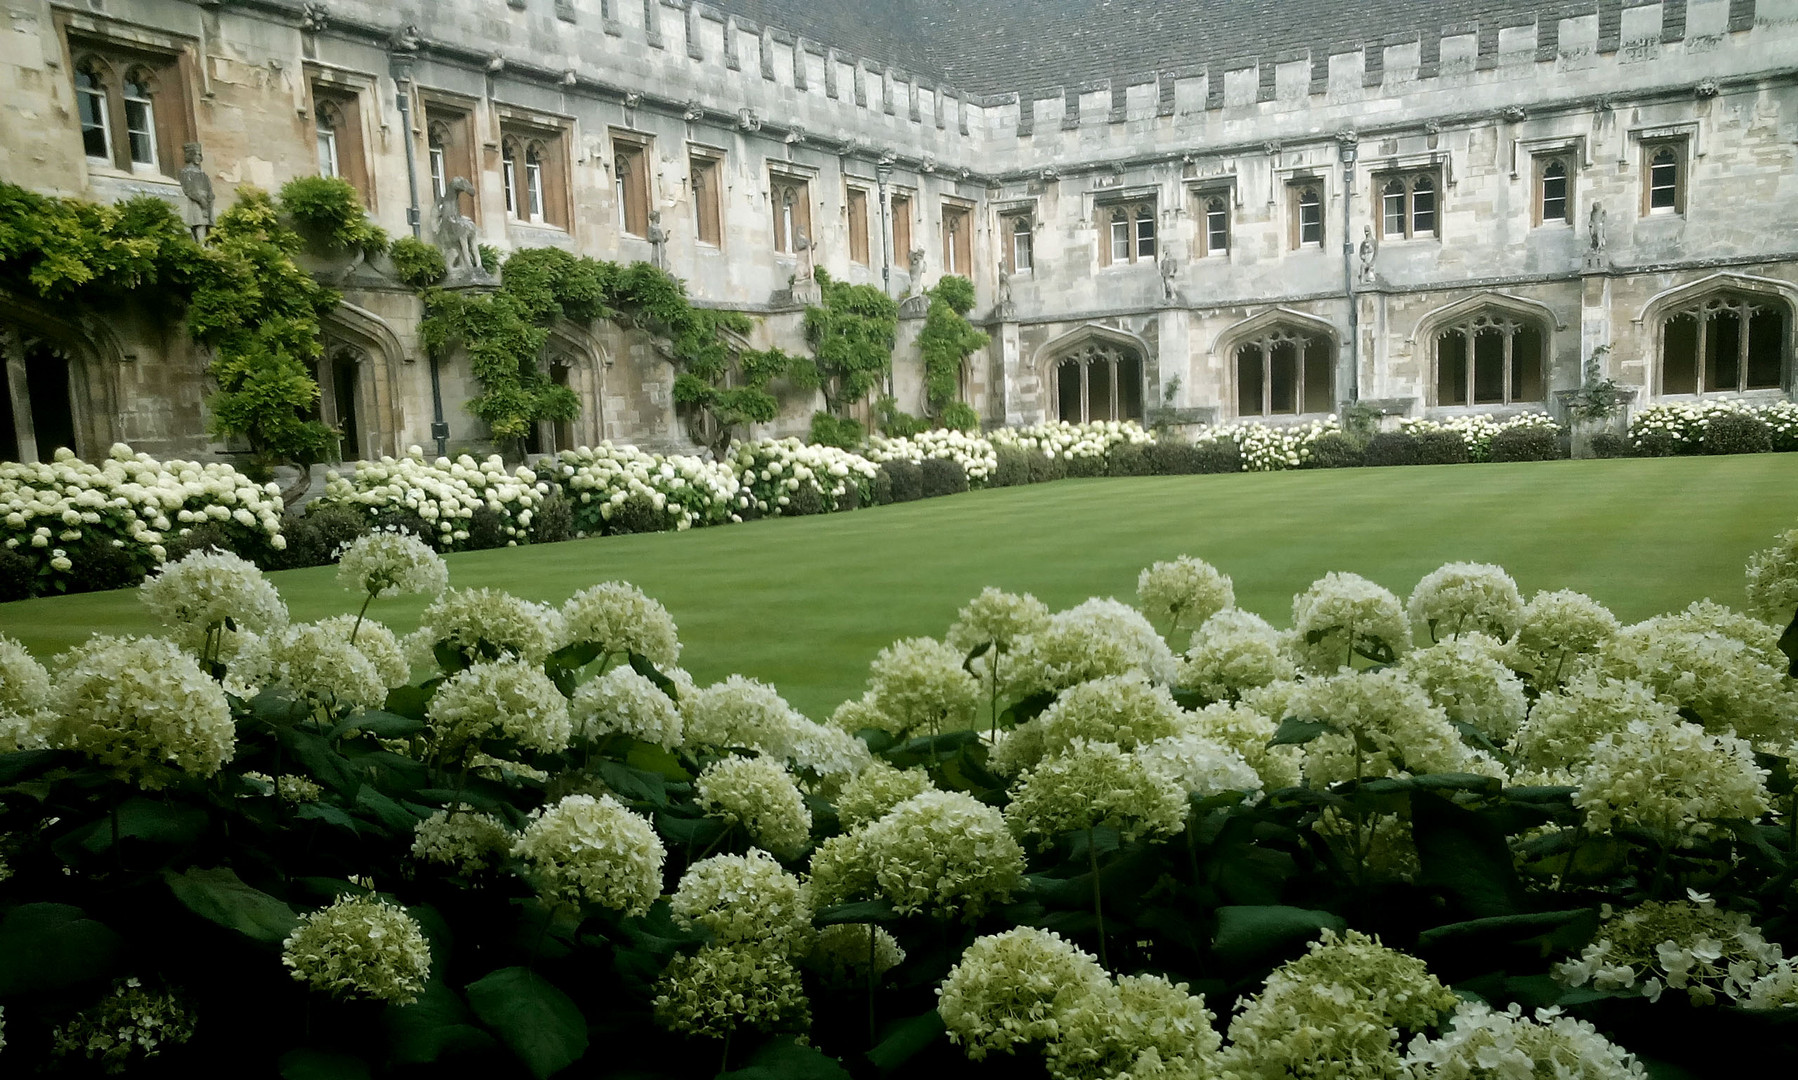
[
  {"x": 784, "y": 1059},
  {"x": 49, "y": 946},
  {"x": 540, "y": 1023},
  {"x": 1252, "y": 933},
  {"x": 906, "y": 1039},
  {"x": 221, "y": 896}
]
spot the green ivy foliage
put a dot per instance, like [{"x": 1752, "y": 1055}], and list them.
[
  {"x": 844, "y": 433},
  {"x": 243, "y": 294},
  {"x": 947, "y": 340},
  {"x": 330, "y": 209},
  {"x": 417, "y": 263},
  {"x": 851, "y": 335}
]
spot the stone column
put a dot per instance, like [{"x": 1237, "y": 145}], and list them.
[{"x": 1010, "y": 396}]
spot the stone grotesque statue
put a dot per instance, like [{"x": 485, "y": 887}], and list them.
[
  {"x": 1369, "y": 249},
  {"x": 455, "y": 232},
  {"x": 1595, "y": 228},
  {"x": 917, "y": 271},
  {"x": 1004, "y": 305},
  {"x": 807, "y": 252},
  {"x": 1170, "y": 269},
  {"x": 197, "y": 186},
  {"x": 658, "y": 241}
]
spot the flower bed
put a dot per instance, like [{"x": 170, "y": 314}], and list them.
[
  {"x": 973, "y": 453},
  {"x": 684, "y": 490},
  {"x": 132, "y": 504},
  {"x": 445, "y": 493},
  {"x": 1270, "y": 447},
  {"x": 788, "y": 476},
  {"x": 1478, "y": 430},
  {"x": 1051, "y": 836},
  {"x": 1679, "y": 427},
  {"x": 1072, "y": 442}
]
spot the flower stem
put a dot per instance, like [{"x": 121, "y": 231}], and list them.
[
  {"x": 357, "y": 629},
  {"x": 1092, "y": 853}
]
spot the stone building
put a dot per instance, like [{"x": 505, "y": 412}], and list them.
[{"x": 1207, "y": 211}]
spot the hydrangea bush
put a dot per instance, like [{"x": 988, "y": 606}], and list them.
[
  {"x": 1045, "y": 844},
  {"x": 445, "y": 493},
  {"x": 1478, "y": 430}
]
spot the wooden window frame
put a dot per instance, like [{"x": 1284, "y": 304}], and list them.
[
  {"x": 784, "y": 190},
  {"x": 631, "y": 182},
  {"x": 518, "y": 141},
  {"x": 1014, "y": 227},
  {"x": 450, "y": 130},
  {"x": 1134, "y": 214},
  {"x": 704, "y": 177},
  {"x": 855, "y": 217},
  {"x": 1295, "y": 196},
  {"x": 166, "y": 69},
  {"x": 1539, "y": 188},
  {"x": 1208, "y": 246},
  {"x": 958, "y": 243},
  {"x": 1652, "y": 149},
  {"x": 1410, "y": 182},
  {"x": 900, "y": 208},
  {"x": 343, "y": 104},
  {"x": 1511, "y": 328}
]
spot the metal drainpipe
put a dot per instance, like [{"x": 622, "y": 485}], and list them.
[
  {"x": 402, "y": 81},
  {"x": 1346, "y": 144}
]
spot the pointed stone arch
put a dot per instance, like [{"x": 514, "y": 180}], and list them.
[
  {"x": 358, "y": 381},
  {"x": 1280, "y": 362},
  {"x": 1094, "y": 372},
  {"x": 60, "y": 382},
  {"x": 1725, "y": 333},
  {"x": 575, "y": 357},
  {"x": 1487, "y": 350}
]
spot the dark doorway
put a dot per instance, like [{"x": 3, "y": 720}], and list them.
[{"x": 52, "y": 406}]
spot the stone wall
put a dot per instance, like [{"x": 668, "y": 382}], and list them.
[{"x": 1474, "y": 106}]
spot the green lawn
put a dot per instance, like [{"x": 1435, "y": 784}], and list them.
[{"x": 805, "y": 603}]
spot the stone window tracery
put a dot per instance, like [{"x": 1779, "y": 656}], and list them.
[
  {"x": 1726, "y": 343},
  {"x": 1099, "y": 382},
  {"x": 792, "y": 214},
  {"x": 533, "y": 172},
  {"x": 1019, "y": 243},
  {"x": 130, "y": 104},
  {"x": 1214, "y": 231},
  {"x": 1407, "y": 205},
  {"x": 91, "y": 104},
  {"x": 337, "y": 135},
  {"x": 958, "y": 241},
  {"x": 1664, "y": 177},
  {"x": 1285, "y": 371},
  {"x": 1554, "y": 190},
  {"x": 1492, "y": 358},
  {"x": 707, "y": 222},
  {"x": 1307, "y": 214},
  {"x": 630, "y": 184},
  {"x": 856, "y": 211}
]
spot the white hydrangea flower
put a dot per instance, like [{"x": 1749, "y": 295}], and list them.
[
  {"x": 997, "y": 618},
  {"x": 1777, "y": 989},
  {"x": 1342, "y": 615},
  {"x": 1145, "y": 1026},
  {"x": 1377, "y": 847},
  {"x": 1091, "y": 785},
  {"x": 1458, "y": 598},
  {"x": 25, "y": 718},
  {"x": 1187, "y": 590},
  {"x": 391, "y": 564},
  {"x": 618, "y": 618},
  {"x": 376, "y": 642},
  {"x": 724, "y": 988},
  {"x": 1481, "y": 1042},
  {"x": 197, "y": 595},
  {"x": 1248, "y": 732},
  {"x": 1689, "y": 945},
  {"x": 759, "y": 794},
  {"x": 624, "y": 702},
  {"x": 1567, "y": 724},
  {"x": 942, "y": 852},
  {"x": 1384, "y": 725},
  {"x": 1233, "y": 651},
  {"x": 746, "y": 899},
  {"x": 468, "y": 619},
  {"x": 1773, "y": 579},
  {"x": 593, "y": 850},
  {"x": 360, "y": 947},
  {"x": 1720, "y": 678},
  {"x": 1466, "y": 677},
  {"x": 828, "y": 753},
  {"x": 129, "y": 1025},
  {"x": 1557, "y": 629},
  {"x": 507, "y": 699},
  {"x": 140, "y": 705},
  {"x": 1199, "y": 765},
  {"x": 1709, "y": 617},
  {"x": 1011, "y": 989},
  {"x": 845, "y": 952},
  {"x": 876, "y": 790},
  {"x": 464, "y": 838},
  {"x": 1092, "y": 640},
  {"x": 317, "y": 663},
  {"x": 918, "y": 686},
  {"x": 443, "y": 492},
  {"x": 739, "y": 712},
  {"x": 1127, "y": 710},
  {"x": 1676, "y": 779}
]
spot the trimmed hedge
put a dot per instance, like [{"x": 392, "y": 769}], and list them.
[
  {"x": 1526, "y": 444},
  {"x": 1391, "y": 448}
]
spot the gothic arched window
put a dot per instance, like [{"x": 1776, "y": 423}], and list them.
[
  {"x": 1129, "y": 234},
  {"x": 1099, "y": 382},
  {"x": 1492, "y": 358},
  {"x": 437, "y": 141},
  {"x": 1724, "y": 343},
  {"x": 1285, "y": 371},
  {"x": 329, "y": 119},
  {"x": 90, "y": 102},
  {"x": 140, "y": 118}
]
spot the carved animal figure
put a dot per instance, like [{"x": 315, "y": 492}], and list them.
[{"x": 455, "y": 231}]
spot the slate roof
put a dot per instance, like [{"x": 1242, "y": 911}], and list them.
[{"x": 1001, "y": 46}]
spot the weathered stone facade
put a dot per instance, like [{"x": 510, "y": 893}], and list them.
[{"x": 1541, "y": 195}]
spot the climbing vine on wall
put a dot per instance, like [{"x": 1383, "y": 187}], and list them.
[
  {"x": 851, "y": 335},
  {"x": 946, "y": 341},
  {"x": 245, "y": 297}
]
